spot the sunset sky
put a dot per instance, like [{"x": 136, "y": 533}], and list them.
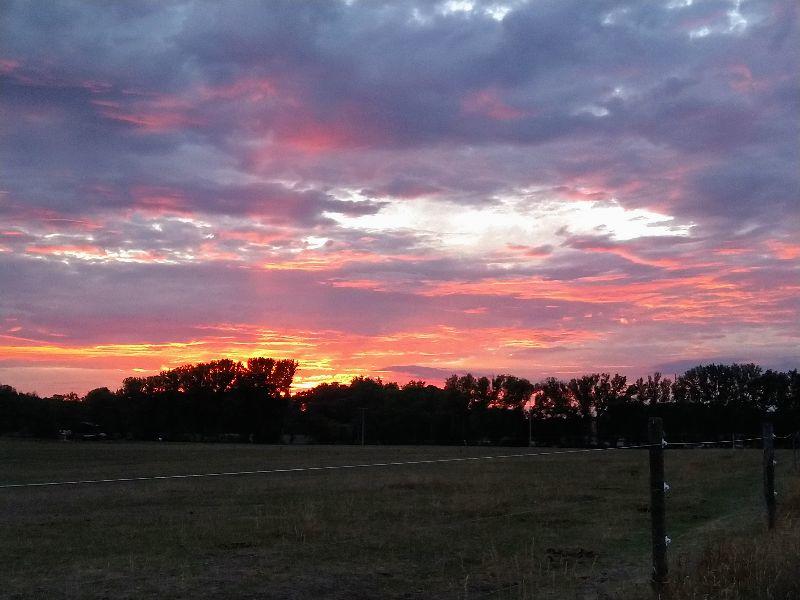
[{"x": 398, "y": 189}]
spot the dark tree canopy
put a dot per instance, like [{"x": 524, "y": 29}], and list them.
[{"x": 252, "y": 401}]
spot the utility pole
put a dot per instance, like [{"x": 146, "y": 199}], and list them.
[
  {"x": 363, "y": 426},
  {"x": 530, "y": 428}
]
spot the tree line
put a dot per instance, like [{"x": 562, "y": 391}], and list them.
[{"x": 234, "y": 401}]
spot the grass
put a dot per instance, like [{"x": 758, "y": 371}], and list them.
[
  {"x": 764, "y": 566},
  {"x": 568, "y": 526}
]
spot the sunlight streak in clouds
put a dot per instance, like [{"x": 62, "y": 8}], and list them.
[{"x": 511, "y": 220}]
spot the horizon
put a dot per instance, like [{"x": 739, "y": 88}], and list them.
[
  {"x": 440, "y": 383},
  {"x": 403, "y": 191}
]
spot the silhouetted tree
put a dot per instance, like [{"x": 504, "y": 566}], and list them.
[{"x": 225, "y": 399}]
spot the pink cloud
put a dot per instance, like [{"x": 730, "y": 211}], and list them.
[
  {"x": 489, "y": 103},
  {"x": 249, "y": 89},
  {"x": 8, "y": 65},
  {"x": 152, "y": 115},
  {"x": 67, "y": 249},
  {"x": 784, "y": 250},
  {"x": 157, "y": 200}
]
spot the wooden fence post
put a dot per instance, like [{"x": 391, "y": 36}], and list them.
[
  {"x": 655, "y": 430},
  {"x": 795, "y": 448},
  {"x": 769, "y": 471}
]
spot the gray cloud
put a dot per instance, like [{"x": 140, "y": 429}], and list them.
[{"x": 218, "y": 139}]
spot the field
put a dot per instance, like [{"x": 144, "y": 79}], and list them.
[{"x": 564, "y": 526}]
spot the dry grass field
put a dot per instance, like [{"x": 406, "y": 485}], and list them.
[{"x": 565, "y": 526}]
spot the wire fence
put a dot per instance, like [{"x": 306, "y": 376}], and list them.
[
  {"x": 432, "y": 461},
  {"x": 307, "y": 469},
  {"x": 444, "y": 524}
]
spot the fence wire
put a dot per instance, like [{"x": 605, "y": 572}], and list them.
[
  {"x": 387, "y": 464},
  {"x": 306, "y": 469},
  {"x": 727, "y": 443}
]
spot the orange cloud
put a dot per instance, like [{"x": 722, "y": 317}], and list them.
[
  {"x": 680, "y": 299},
  {"x": 359, "y": 284},
  {"x": 324, "y": 356},
  {"x": 84, "y": 250},
  {"x": 321, "y": 260}
]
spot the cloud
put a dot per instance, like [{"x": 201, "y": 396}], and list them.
[
  {"x": 385, "y": 172},
  {"x": 419, "y": 372}
]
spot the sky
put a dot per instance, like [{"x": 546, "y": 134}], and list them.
[{"x": 402, "y": 189}]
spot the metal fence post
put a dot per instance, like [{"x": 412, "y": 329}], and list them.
[
  {"x": 768, "y": 440},
  {"x": 655, "y": 429}
]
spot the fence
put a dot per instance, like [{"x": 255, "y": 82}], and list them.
[{"x": 658, "y": 487}]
